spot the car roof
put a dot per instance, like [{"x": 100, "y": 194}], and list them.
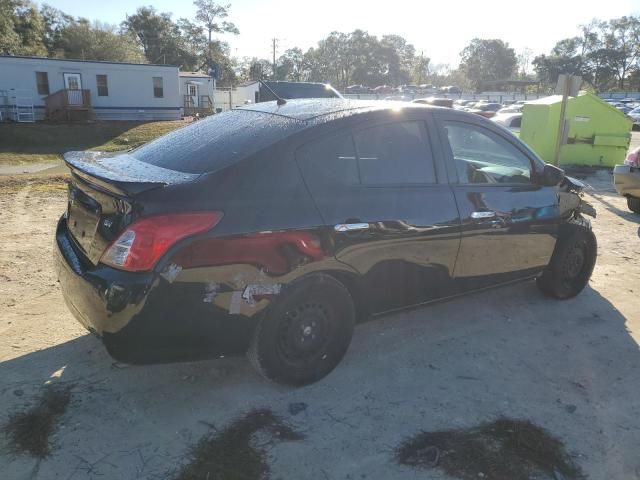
[{"x": 321, "y": 110}]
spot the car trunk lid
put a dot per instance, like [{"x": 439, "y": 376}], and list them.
[{"x": 104, "y": 196}]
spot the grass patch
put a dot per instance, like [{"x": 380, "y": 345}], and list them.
[
  {"x": 37, "y": 183},
  {"x": 505, "y": 448},
  {"x": 44, "y": 142},
  {"x": 231, "y": 454},
  {"x": 28, "y": 432}
]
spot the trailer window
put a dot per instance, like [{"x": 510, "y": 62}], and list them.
[
  {"x": 103, "y": 88},
  {"x": 158, "y": 90},
  {"x": 42, "y": 80}
]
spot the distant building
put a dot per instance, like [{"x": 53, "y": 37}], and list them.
[
  {"x": 35, "y": 88},
  {"x": 196, "y": 92}
]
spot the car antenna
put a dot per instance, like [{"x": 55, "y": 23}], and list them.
[{"x": 279, "y": 100}]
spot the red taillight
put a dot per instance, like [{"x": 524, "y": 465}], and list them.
[{"x": 145, "y": 241}]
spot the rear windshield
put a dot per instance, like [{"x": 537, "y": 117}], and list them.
[
  {"x": 217, "y": 141},
  {"x": 296, "y": 90}
]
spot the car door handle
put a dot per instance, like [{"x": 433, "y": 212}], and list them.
[
  {"x": 481, "y": 215},
  {"x": 351, "y": 227}
]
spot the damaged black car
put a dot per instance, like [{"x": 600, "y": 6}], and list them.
[{"x": 272, "y": 229}]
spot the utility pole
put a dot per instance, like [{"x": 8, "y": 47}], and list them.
[
  {"x": 275, "y": 42},
  {"x": 568, "y": 86}
]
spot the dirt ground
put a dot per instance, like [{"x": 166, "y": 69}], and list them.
[{"x": 572, "y": 367}]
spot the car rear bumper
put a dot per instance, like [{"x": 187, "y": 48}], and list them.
[
  {"x": 142, "y": 317},
  {"x": 626, "y": 180}
]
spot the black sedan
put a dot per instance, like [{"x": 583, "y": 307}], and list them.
[{"x": 272, "y": 229}]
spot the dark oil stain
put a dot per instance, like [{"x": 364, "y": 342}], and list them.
[
  {"x": 28, "y": 432},
  {"x": 503, "y": 449},
  {"x": 230, "y": 453}
]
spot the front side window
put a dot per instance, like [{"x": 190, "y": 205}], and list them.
[
  {"x": 103, "y": 88},
  {"x": 481, "y": 156},
  {"x": 42, "y": 80},
  {"x": 394, "y": 154},
  {"x": 158, "y": 90}
]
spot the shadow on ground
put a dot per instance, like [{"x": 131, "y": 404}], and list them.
[{"x": 570, "y": 367}]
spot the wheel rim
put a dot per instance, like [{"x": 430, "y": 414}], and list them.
[
  {"x": 304, "y": 334},
  {"x": 574, "y": 262}
]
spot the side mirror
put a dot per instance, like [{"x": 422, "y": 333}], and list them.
[{"x": 551, "y": 175}]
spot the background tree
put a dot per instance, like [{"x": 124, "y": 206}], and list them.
[
  {"x": 10, "y": 41},
  {"x": 291, "y": 65},
  {"x": 21, "y": 28},
  {"x": 420, "y": 70},
  {"x": 211, "y": 15},
  {"x": 160, "y": 37},
  {"x": 484, "y": 60},
  {"x": 98, "y": 41},
  {"x": 622, "y": 43},
  {"x": 55, "y": 21}
]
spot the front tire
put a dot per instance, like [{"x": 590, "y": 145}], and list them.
[
  {"x": 305, "y": 332},
  {"x": 571, "y": 264},
  {"x": 634, "y": 204}
]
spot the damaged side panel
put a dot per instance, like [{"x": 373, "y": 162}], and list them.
[
  {"x": 571, "y": 197},
  {"x": 208, "y": 295},
  {"x": 242, "y": 274}
]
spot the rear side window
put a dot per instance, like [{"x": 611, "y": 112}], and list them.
[
  {"x": 330, "y": 161},
  {"x": 390, "y": 154},
  {"x": 217, "y": 141},
  {"x": 394, "y": 153}
]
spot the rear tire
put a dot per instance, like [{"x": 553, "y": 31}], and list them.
[
  {"x": 305, "y": 333},
  {"x": 634, "y": 204},
  {"x": 571, "y": 264}
]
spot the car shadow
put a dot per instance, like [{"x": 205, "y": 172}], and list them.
[
  {"x": 571, "y": 367},
  {"x": 605, "y": 199}
]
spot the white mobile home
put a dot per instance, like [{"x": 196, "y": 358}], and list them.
[
  {"x": 196, "y": 92},
  {"x": 61, "y": 89}
]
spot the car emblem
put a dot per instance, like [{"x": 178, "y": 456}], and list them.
[{"x": 108, "y": 223}]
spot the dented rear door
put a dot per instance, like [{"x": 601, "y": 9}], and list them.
[{"x": 382, "y": 192}]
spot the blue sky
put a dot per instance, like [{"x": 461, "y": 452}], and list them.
[{"x": 439, "y": 28}]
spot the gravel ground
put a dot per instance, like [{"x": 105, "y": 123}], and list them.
[{"x": 571, "y": 367}]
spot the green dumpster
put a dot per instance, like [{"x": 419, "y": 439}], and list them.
[{"x": 598, "y": 133}]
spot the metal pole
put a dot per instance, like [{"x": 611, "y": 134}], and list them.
[
  {"x": 274, "y": 58},
  {"x": 563, "y": 109},
  {"x": 213, "y": 100}
]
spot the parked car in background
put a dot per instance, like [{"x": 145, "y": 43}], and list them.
[
  {"x": 511, "y": 121},
  {"x": 356, "y": 89},
  {"x": 249, "y": 231},
  {"x": 451, "y": 89},
  {"x": 383, "y": 90},
  {"x": 409, "y": 89},
  {"x": 399, "y": 98},
  {"x": 461, "y": 104},
  {"x": 626, "y": 180},
  {"x": 486, "y": 110},
  {"x": 436, "y": 102},
  {"x": 623, "y": 108},
  {"x": 513, "y": 108},
  {"x": 635, "y": 116}
]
